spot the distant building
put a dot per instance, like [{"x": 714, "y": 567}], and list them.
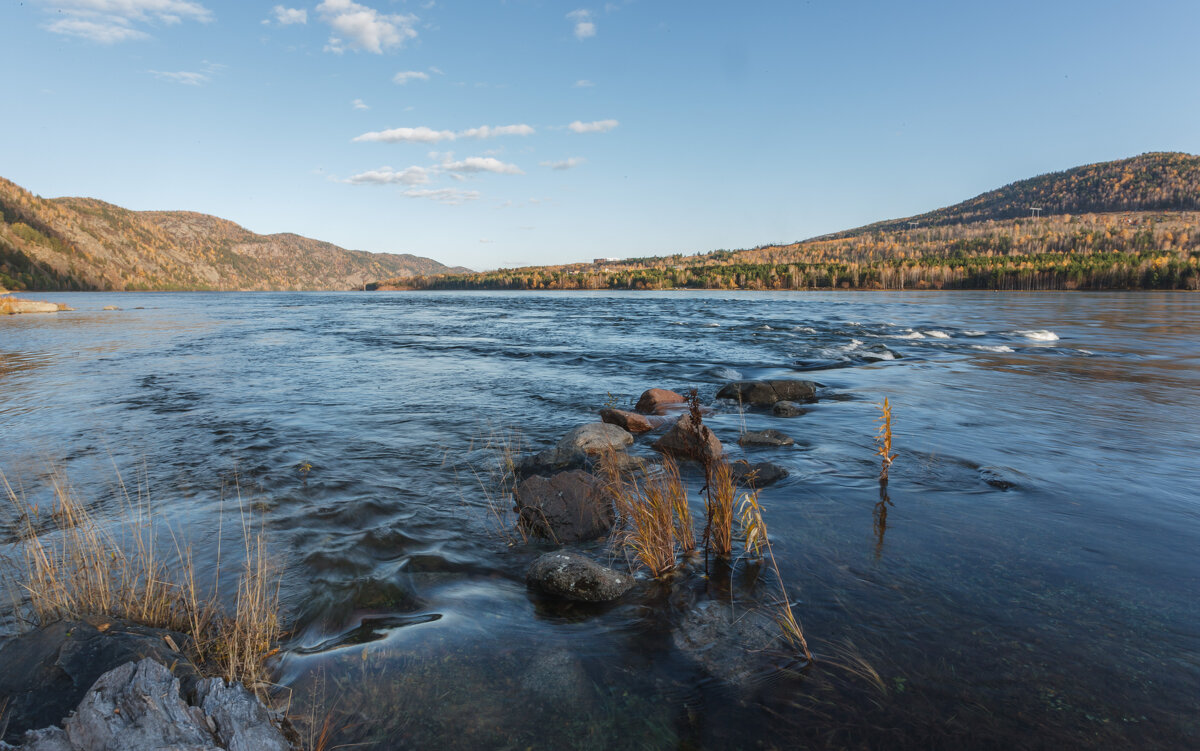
[{"x": 605, "y": 260}]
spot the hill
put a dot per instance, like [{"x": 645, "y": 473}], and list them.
[
  {"x": 1127, "y": 224},
  {"x": 86, "y": 244}
]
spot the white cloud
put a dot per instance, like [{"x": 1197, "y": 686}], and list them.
[
  {"x": 439, "y": 71},
  {"x": 184, "y": 77},
  {"x": 476, "y": 164},
  {"x": 423, "y": 134},
  {"x": 388, "y": 176},
  {"x": 405, "y": 76},
  {"x": 359, "y": 104},
  {"x": 585, "y": 27},
  {"x": 366, "y": 28},
  {"x": 113, "y": 21},
  {"x": 288, "y": 16},
  {"x": 449, "y": 196},
  {"x": 583, "y": 83},
  {"x": 596, "y": 126},
  {"x": 565, "y": 164}
]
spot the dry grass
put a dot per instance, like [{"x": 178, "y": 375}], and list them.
[
  {"x": 74, "y": 565},
  {"x": 648, "y": 510},
  {"x": 883, "y": 440},
  {"x": 722, "y": 491},
  {"x": 754, "y": 531},
  {"x": 498, "y": 481}
]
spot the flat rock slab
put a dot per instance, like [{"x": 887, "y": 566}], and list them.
[
  {"x": 45, "y": 673},
  {"x": 595, "y": 438},
  {"x": 566, "y": 507},
  {"x": 757, "y": 475},
  {"x": 767, "y": 393},
  {"x": 575, "y": 577},
  {"x": 770, "y": 437}
]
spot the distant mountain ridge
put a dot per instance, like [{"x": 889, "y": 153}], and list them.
[
  {"x": 87, "y": 244},
  {"x": 1155, "y": 181}
]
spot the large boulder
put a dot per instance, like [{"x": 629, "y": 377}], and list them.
[
  {"x": 595, "y": 438},
  {"x": 659, "y": 401},
  {"x": 566, "y": 507},
  {"x": 574, "y": 577},
  {"x": 767, "y": 393},
  {"x": 631, "y": 421},
  {"x": 683, "y": 441},
  {"x": 765, "y": 438},
  {"x": 550, "y": 461},
  {"x": 137, "y": 706}
]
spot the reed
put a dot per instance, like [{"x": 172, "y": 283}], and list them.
[
  {"x": 883, "y": 440},
  {"x": 758, "y": 545},
  {"x": 73, "y": 565},
  {"x": 648, "y": 513},
  {"x": 719, "y": 500}
]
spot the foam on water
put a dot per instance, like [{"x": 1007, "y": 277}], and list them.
[
  {"x": 937, "y": 334},
  {"x": 991, "y": 347},
  {"x": 1041, "y": 335}
]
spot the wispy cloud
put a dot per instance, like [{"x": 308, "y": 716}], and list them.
[
  {"x": 388, "y": 176},
  {"x": 362, "y": 28},
  {"x": 583, "y": 83},
  {"x": 288, "y": 16},
  {"x": 423, "y": 134},
  {"x": 187, "y": 78},
  {"x": 114, "y": 21},
  {"x": 449, "y": 196},
  {"x": 476, "y": 164},
  {"x": 565, "y": 164},
  {"x": 585, "y": 27},
  {"x": 405, "y": 76},
  {"x": 359, "y": 104},
  {"x": 596, "y": 126}
]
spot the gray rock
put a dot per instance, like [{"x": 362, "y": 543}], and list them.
[
  {"x": 576, "y": 577},
  {"x": 551, "y": 461},
  {"x": 683, "y": 442},
  {"x": 566, "y": 507},
  {"x": 595, "y": 438},
  {"x": 794, "y": 391},
  {"x": 766, "y": 393},
  {"x": 997, "y": 478},
  {"x": 242, "y": 722},
  {"x": 765, "y": 438},
  {"x": 757, "y": 475},
  {"x": 787, "y": 409}
]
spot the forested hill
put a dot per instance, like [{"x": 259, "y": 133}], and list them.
[
  {"x": 1162, "y": 181},
  {"x": 86, "y": 244},
  {"x": 1130, "y": 224}
]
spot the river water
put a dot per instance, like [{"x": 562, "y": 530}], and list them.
[{"x": 1033, "y": 581}]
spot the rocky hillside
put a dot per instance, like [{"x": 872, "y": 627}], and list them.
[
  {"x": 1162, "y": 181},
  {"x": 86, "y": 244}
]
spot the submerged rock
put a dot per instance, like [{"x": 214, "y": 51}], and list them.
[
  {"x": 138, "y": 707},
  {"x": 110, "y": 307},
  {"x": 631, "y": 421},
  {"x": 576, "y": 577},
  {"x": 757, "y": 475},
  {"x": 767, "y": 393},
  {"x": 567, "y": 507},
  {"x": 595, "y": 438},
  {"x": 729, "y": 642},
  {"x": 765, "y": 438},
  {"x": 683, "y": 442},
  {"x": 656, "y": 401},
  {"x": 996, "y": 478},
  {"x": 788, "y": 409}
]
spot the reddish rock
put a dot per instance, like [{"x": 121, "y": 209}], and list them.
[
  {"x": 655, "y": 401},
  {"x": 631, "y": 421},
  {"x": 682, "y": 442}
]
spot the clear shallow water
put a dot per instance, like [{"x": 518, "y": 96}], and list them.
[{"x": 1062, "y": 611}]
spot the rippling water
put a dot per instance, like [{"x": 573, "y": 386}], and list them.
[{"x": 1054, "y": 606}]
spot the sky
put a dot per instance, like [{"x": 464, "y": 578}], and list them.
[{"x": 496, "y": 134}]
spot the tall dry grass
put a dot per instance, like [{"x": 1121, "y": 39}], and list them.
[
  {"x": 758, "y": 544},
  {"x": 74, "y": 564},
  {"x": 649, "y": 511},
  {"x": 722, "y": 491},
  {"x": 883, "y": 440}
]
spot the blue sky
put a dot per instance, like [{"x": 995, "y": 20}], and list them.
[{"x": 495, "y": 133}]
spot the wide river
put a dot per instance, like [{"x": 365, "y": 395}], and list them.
[{"x": 1032, "y": 580}]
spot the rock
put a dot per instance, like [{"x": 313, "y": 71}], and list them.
[
  {"x": 631, "y": 421},
  {"x": 656, "y": 401},
  {"x": 576, "y": 577},
  {"x": 45, "y": 673},
  {"x": 110, "y": 307},
  {"x": 787, "y": 409},
  {"x": 766, "y": 393},
  {"x": 765, "y": 438},
  {"x": 12, "y": 305},
  {"x": 595, "y": 438},
  {"x": 550, "y": 461},
  {"x": 996, "y": 478},
  {"x": 682, "y": 442},
  {"x": 567, "y": 507},
  {"x": 729, "y": 643},
  {"x": 138, "y": 707},
  {"x": 757, "y": 475}
]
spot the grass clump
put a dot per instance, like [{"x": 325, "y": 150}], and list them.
[
  {"x": 657, "y": 519},
  {"x": 73, "y": 565}
]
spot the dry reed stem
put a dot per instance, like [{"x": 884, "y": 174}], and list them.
[
  {"x": 649, "y": 513},
  {"x": 722, "y": 491},
  {"x": 883, "y": 439}
]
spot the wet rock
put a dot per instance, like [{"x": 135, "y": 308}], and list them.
[
  {"x": 996, "y": 478},
  {"x": 13, "y": 306},
  {"x": 767, "y": 393},
  {"x": 729, "y": 642},
  {"x": 765, "y": 438},
  {"x": 551, "y": 461},
  {"x": 566, "y": 507},
  {"x": 682, "y": 442},
  {"x": 110, "y": 307},
  {"x": 787, "y": 409},
  {"x": 631, "y": 421},
  {"x": 138, "y": 707},
  {"x": 794, "y": 390},
  {"x": 558, "y": 679},
  {"x": 656, "y": 401},
  {"x": 757, "y": 475},
  {"x": 576, "y": 577},
  {"x": 595, "y": 438},
  {"x": 45, "y": 673}
]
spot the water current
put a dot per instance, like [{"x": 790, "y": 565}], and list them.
[{"x": 1034, "y": 580}]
